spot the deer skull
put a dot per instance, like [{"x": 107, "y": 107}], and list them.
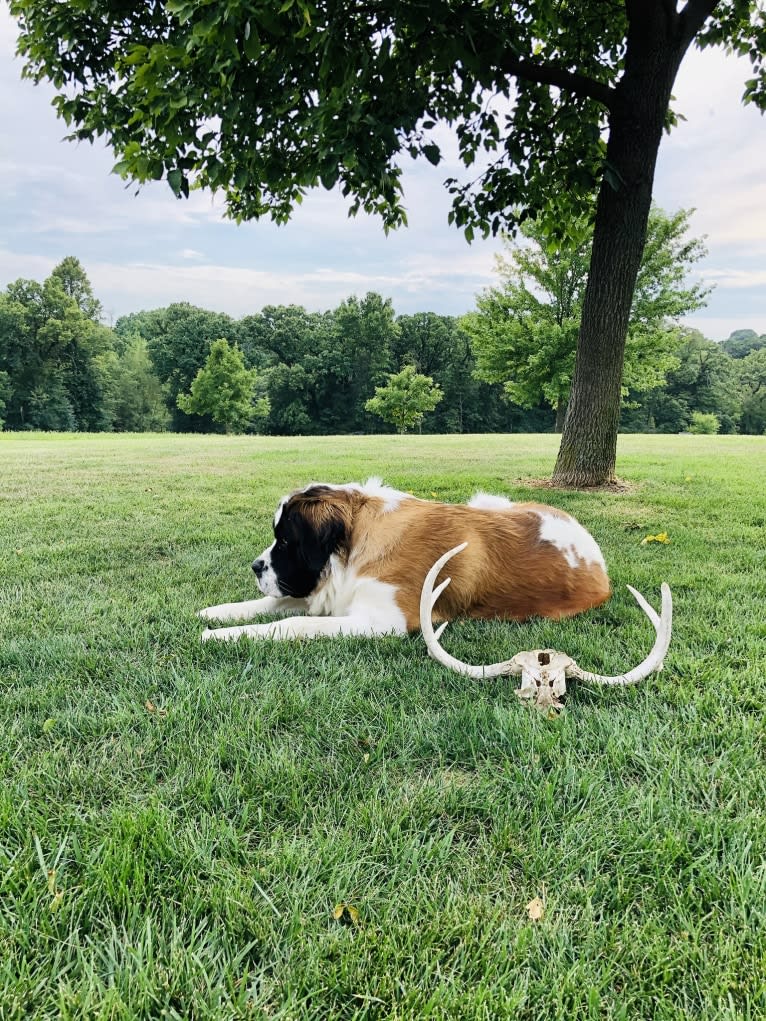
[{"x": 543, "y": 671}]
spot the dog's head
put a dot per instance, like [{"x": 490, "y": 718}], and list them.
[{"x": 309, "y": 527}]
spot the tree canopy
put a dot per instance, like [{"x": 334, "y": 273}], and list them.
[
  {"x": 262, "y": 102},
  {"x": 524, "y": 331},
  {"x": 60, "y": 370},
  {"x": 405, "y": 399},
  {"x": 225, "y": 389},
  {"x": 51, "y": 346}
]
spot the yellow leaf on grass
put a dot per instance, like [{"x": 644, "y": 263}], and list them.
[
  {"x": 535, "y": 909},
  {"x": 659, "y": 537},
  {"x": 57, "y": 900},
  {"x": 51, "y": 881},
  {"x": 346, "y": 913}
]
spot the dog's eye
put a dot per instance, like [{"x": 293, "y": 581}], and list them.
[{"x": 281, "y": 543}]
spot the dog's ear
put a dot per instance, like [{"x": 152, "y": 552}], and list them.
[{"x": 319, "y": 542}]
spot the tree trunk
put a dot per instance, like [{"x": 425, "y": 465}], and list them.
[{"x": 589, "y": 442}]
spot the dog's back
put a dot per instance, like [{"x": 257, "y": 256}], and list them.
[{"x": 522, "y": 559}]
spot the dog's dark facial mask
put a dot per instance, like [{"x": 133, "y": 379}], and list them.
[{"x": 301, "y": 551}]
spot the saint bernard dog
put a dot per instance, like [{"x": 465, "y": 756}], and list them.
[{"x": 353, "y": 558}]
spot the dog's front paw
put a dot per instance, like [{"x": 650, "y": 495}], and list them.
[
  {"x": 214, "y": 612},
  {"x": 222, "y": 634}
]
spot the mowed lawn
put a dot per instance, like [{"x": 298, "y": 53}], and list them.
[{"x": 178, "y": 822}]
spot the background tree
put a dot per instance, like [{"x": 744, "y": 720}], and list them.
[
  {"x": 705, "y": 380},
  {"x": 138, "y": 400},
  {"x": 405, "y": 399},
  {"x": 178, "y": 340},
  {"x": 438, "y": 347},
  {"x": 76, "y": 285},
  {"x": 287, "y": 342},
  {"x": 5, "y": 389},
  {"x": 50, "y": 344},
  {"x": 225, "y": 390},
  {"x": 751, "y": 371},
  {"x": 740, "y": 343},
  {"x": 264, "y": 102},
  {"x": 356, "y": 354},
  {"x": 525, "y": 331},
  {"x": 278, "y": 334},
  {"x": 704, "y": 424}
]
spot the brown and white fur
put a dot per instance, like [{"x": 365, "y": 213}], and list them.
[{"x": 522, "y": 560}]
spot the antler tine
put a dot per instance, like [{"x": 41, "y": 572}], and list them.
[
  {"x": 438, "y": 590},
  {"x": 428, "y": 597},
  {"x": 648, "y": 609},
  {"x": 663, "y": 626}
]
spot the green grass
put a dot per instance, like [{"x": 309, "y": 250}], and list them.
[{"x": 178, "y": 821}]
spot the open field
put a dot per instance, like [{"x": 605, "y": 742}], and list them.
[{"x": 178, "y": 821}]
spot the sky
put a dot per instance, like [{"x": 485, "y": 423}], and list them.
[{"x": 59, "y": 198}]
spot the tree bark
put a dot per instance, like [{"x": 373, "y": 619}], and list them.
[{"x": 655, "y": 47}]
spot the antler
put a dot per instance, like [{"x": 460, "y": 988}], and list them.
[
  {"x": 549, "y": 668},
  {"x": 663, "y": 625},
  {"x": 428, "y": 597}
]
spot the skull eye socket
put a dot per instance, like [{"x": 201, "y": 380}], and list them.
[{"x": 543, "y": 659}]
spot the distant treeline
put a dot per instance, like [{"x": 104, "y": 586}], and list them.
[{"x": 62, "y": 369}]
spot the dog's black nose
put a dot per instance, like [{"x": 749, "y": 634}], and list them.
[{"x": 258, "y": 567}]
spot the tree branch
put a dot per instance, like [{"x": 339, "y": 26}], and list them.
[
  {"x": 693, "y": 17},
  {"x": 569, "y": 81}
]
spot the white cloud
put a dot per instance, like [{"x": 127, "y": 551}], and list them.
[
  {"x": 714, "y": 160},
  {"x": 241, "y": 290},
  {"x": 32, "y": 267},
  {"x": 721, "y": 327},
  {"x": 737, "y": 278}
]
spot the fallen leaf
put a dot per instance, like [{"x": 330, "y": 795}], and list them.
[
  {"x": 152, "y": 708},
  {"x": 535, "y": 909},
  {"x": 57, "y": 900},
  {"x": 346, "y": 913},
  {"x": 51, "y": 881},
  {"x": 49, "y": 724},
  {"x": 659, "y": 537}
]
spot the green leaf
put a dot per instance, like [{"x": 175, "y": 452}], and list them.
[
  {"x": 329, "y": 177},
  {"x": 432, "y": 153},
  {"x": 252, "y": 45},
  {"x": 175, "y": 180},
  {"x": 137, "y": 55}
]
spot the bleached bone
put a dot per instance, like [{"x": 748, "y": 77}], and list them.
[{"x": 543, "y": 671}]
